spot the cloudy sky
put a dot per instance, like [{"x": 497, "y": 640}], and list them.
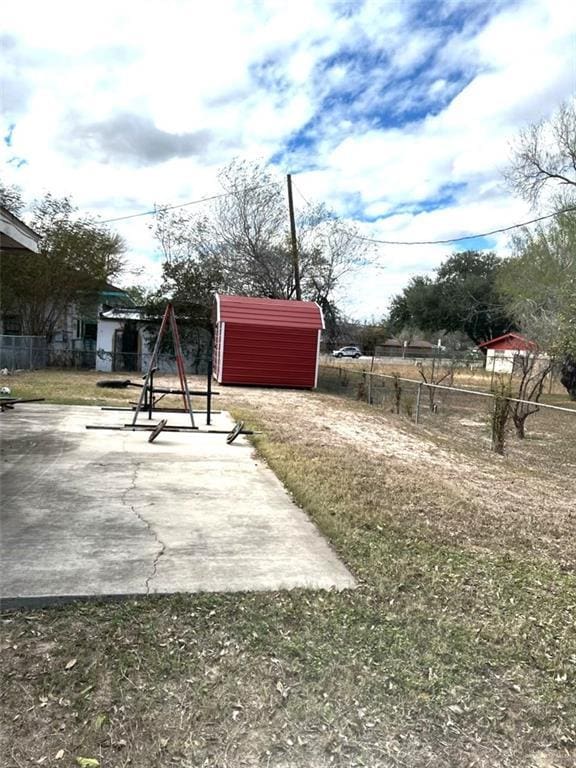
[{"x": 396, "y": 113}]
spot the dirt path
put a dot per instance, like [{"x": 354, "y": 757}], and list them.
[
  {"x": 526, "y": 499},
  {"x": 535, "y": 502}
]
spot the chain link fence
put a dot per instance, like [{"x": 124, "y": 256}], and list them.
[
  {"x": 71, "y": 358},
  {"x": 196, "y": 362},
  {"x": 23, "y": 353},
  {"x": 32, "y": 353}
]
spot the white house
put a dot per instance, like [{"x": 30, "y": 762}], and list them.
[
  {"x": 74, "y": 339},
  {"x": 125, "y": 341},
  {"x": 503, "y": 352},
  {"x": 120, "y": 339}
]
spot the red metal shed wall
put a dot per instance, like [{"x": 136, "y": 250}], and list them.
[{"x": 282, "y": 357}]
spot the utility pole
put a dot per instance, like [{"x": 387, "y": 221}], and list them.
[{"x": 295, "y": 259}]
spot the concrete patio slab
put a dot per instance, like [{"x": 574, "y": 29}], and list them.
[{"x": 106, "y": 513}]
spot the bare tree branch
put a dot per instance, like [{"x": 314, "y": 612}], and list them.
[{"x": 544, "y": 156}]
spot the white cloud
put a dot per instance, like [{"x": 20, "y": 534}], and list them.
[{"x": 247, "y": 77}]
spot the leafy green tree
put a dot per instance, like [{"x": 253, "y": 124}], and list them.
[
  {"x": 191, "y": 269},
  {"x": 140, "y": 295},
  {"x": 539, "y": 282},
  {"x": 418, "y": 306},
  {"x": 462, "y": 296},
  {"x": 78, "y": 256},
  {"x": 539, "y": 279},
  {"x": 367, "y": 336}
]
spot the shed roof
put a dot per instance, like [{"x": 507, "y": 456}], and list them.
[{"x": 268, "y": 312}]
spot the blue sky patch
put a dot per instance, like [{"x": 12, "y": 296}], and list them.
[
  {"x": 362, "y": 88},
  {"x": 476, "y": 244},
  {"x": 9, "y": 136},
  {"x": 454, "y": 17},
  {"x": 17, "y": 162},
  {"x": 268, "y": 73}
]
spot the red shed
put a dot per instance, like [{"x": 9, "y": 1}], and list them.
[{"x": 270, "y": 342}]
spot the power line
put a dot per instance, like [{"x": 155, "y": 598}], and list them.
[
  {"x": 296, "y": 187},
  {"x": 452, "y": 239},
  {"x": 181, "y": 205},
  {"x": 164, "y": 208},
  {"x": 465, "y": 237},
  {"x": 372, "y": 264},
  {"x": 446, "y": 241}
]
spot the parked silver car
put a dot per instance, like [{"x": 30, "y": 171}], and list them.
[{"x": 347, "y": 352}]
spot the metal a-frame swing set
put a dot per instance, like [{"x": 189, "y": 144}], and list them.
[{"x": 147, "y": 399}]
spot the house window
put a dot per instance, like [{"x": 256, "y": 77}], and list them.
[
  {"x": 12, "y": 325},
  {"x": 90, "y": 331},
  {"x": 86, "y": 330}
]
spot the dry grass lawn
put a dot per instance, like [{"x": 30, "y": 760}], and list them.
[{"x": 458, "y": 648}]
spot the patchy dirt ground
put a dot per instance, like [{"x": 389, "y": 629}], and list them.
[{"x": 529, "y": 495}]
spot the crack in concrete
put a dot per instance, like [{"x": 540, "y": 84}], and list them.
[{"x": 150, "y": 528}]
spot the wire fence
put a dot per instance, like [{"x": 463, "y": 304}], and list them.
[
  {"x": 455, "y": 358},
  {"x": 196, "y": 362},
  {"x": 32, "y": 353},
  {"x": 71, "y": 358},
  {"x": 467, "y": 413},
  {"x": 23, "y": 352}
]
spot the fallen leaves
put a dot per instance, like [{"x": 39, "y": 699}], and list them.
[
  {"x": 100, "y": 721},
  {"x": 88, "y": 762},
  {"x": 282, "y": 689}
]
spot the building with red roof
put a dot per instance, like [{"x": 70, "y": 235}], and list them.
[
  {"x": 503, "y": 351},
  {"x": 266, "y": 342}
]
